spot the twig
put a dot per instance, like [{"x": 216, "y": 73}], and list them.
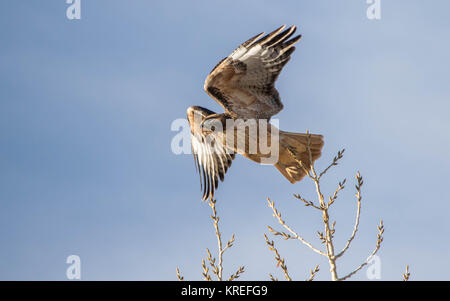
[
  {"x": 358, "y": 213},
  {"x": 212, "y": 263},
  {"x": 307, "y": 203},
  {"x": 215, "y": 218},
  {"x": 181, "y": 278},
  {"x": 313, "y": 273},
  {"x": 336, "y": 159},
  {"x": 280, "y": 261},
  {"x": 377, "y": 247},
  {"x": 407, "y": 274},
  {"x": 205, "y": 272},
  {"x": 277, "y": 214},
  {"x": 237, "y": 274},
  {"x": 217, "y": 268},
  {"x": 333, "y": 198}
]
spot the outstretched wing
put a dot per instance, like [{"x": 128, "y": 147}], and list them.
[
  {"x": 212, "y": 159},
  {"x": 212, "y": 162},
  {"x": 244, "y": 82}
]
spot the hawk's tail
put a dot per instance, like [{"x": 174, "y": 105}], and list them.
[{"x": 295, "y": 144}]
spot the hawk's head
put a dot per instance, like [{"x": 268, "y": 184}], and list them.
[
  {"x": 203, "y": 120},
  {"x": 198, "y": 112}
]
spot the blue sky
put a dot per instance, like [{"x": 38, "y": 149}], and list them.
[{"x": 85, "y": 161}]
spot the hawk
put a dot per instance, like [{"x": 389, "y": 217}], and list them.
[{"x": 244, "y": 85}]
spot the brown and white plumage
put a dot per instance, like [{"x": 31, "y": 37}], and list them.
[
  {"x": 211, "y": 158},
  {"x": 244, "y": 85},
  {"x": 244, "y": 82}
]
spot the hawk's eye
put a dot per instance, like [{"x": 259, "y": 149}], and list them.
[{"x": 211, "y": 125}]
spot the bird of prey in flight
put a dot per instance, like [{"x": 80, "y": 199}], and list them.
[{"x": 244, "y": 85}]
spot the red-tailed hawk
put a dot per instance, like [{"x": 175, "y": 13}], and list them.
[{"x": 244, "y": 85}]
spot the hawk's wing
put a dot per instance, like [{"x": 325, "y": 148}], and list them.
[
  {"x": 243, "y": 82},
  {"x": 212, "y": 159}
]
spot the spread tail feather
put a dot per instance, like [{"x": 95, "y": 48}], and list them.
[{"x": 296, "y": 144}]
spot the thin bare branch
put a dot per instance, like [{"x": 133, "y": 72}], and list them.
[
  {"x": 181, "y": 278},
  {"x": 333, "y": 198},
  {"x": 212, "y": 263},
  {"x": 307, "y": 203},
  {"x": 377, "y": 247},
  {"x": 407, "y": 274},
  {"x": 229, "y": 244},
  {"x": 280, "y": 261},
  {"x": 217, "y": 267},
  {"x": 358, "y": 213},
  {"x": 237, "y": 274},
  {"x": 205, "y": 272},
  {"x": 277, "y": 214},
  {"x": 313, "y": 273},
  {"x": 336, "y": 159}
]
